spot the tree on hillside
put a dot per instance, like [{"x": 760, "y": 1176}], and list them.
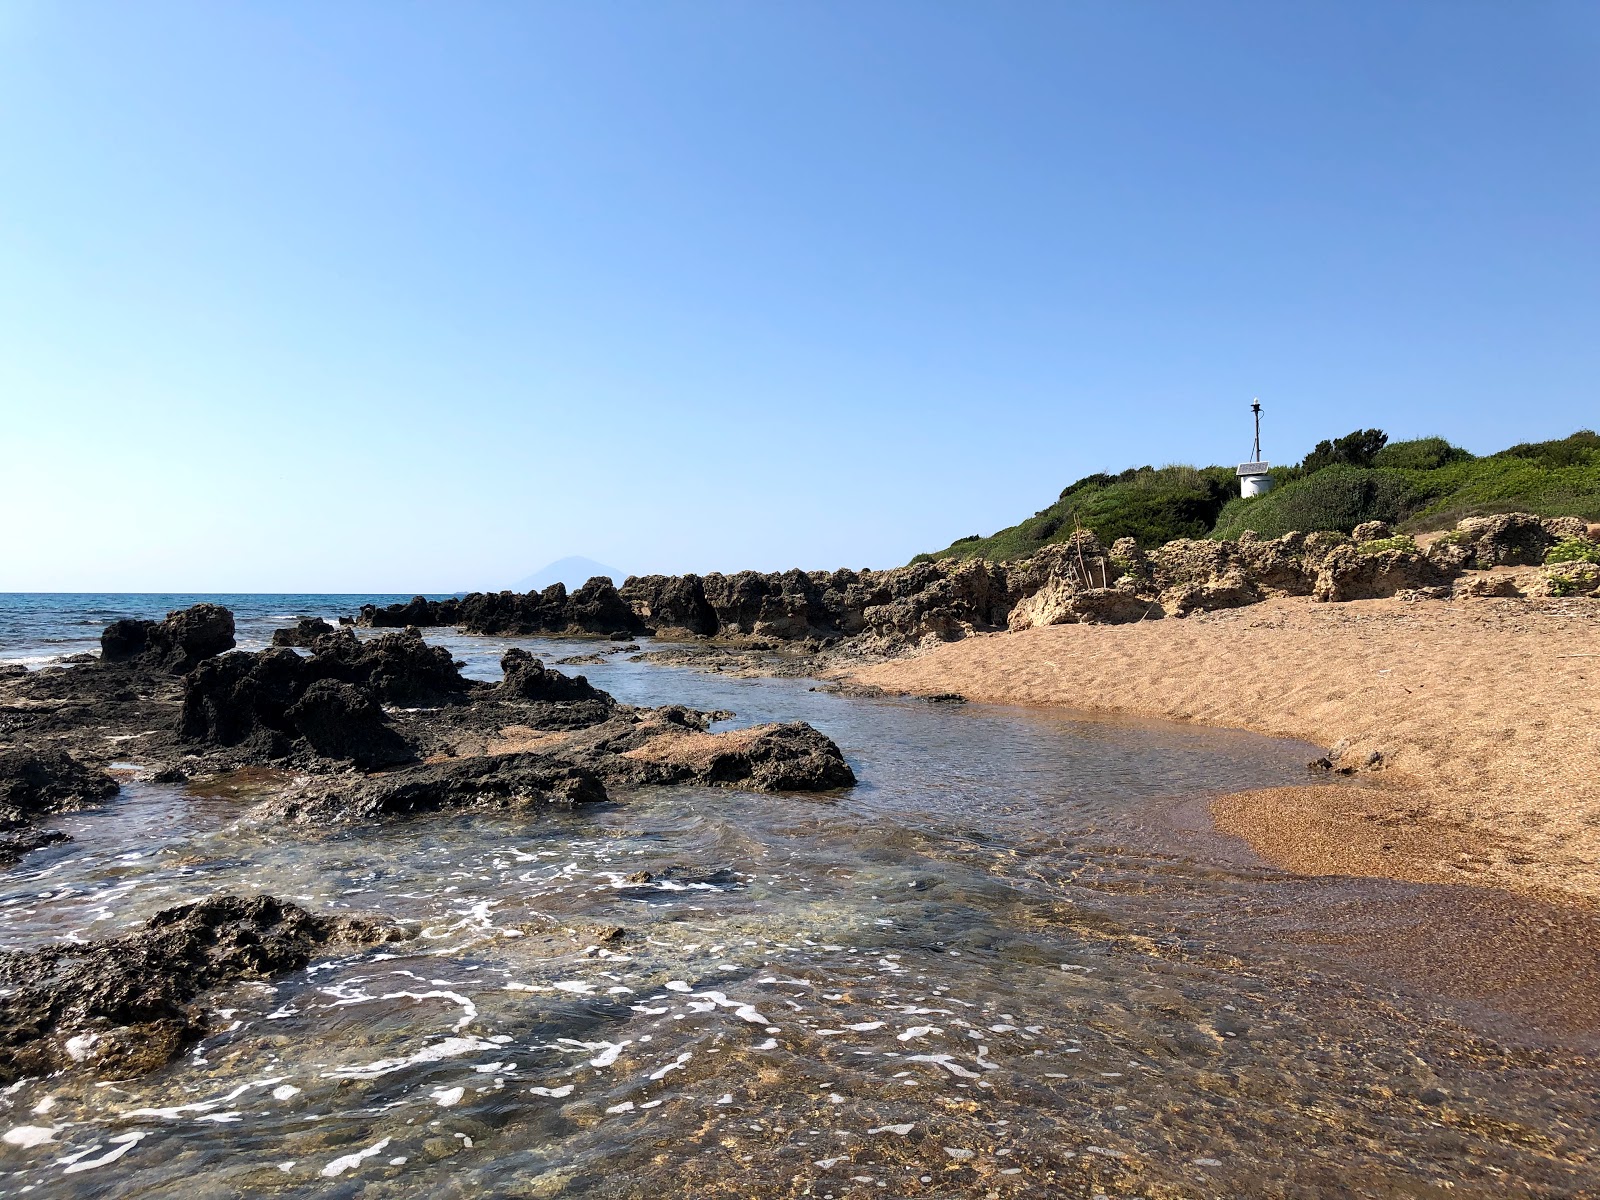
[{"x": 1355, "y": 449}]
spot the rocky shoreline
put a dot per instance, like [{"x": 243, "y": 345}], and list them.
[
  {"x": 873, "y": 614},
  {"x": 362, "y": 732},
  {"x": 352, "y": 733}
]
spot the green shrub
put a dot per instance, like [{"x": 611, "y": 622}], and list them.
[
  {"x": 1419, "y": 454},
  {"x": 1573, "y": 550},
  {"x": 1148, "y": 504},
  {"x": 1380, "y": 545},
  {"x": 1577, "y": 450},
  {"x": 1503, "y": 483},
  {"x": 1426, "y": 483},
  {"x": 1338, "y": 498},
  {"x": 1567, "y": 585}
]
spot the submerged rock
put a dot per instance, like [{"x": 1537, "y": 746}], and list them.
[
  {"x": 510, "y": 782},
  {"x": 788, "y": 757},
  {"x": 123, "y": 1006},
  {"x": 14, "y": 845},
  {"x": 35, "y": 782}
]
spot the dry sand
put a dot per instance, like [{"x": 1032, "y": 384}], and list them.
[{"x": 1486, "y": 713}]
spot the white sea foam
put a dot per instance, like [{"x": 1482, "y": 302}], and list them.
[
  {"x": 348, "y": 1162},
  {"x": 75, "y": 1163}
]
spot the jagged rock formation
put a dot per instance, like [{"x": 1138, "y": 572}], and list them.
[
  {"x": 303, "y": 632},
  {"x": 1514, "y": 539},
  {"x": 596, "y": 607},
  {"x": 37, "y": 782},
  {"x": 175, "y": 644},
  {"x": 123, "y": 1006},
  {"x": 329, "y": 703}
]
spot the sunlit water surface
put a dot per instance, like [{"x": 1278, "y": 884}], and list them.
[{"x": 992, "y": 968}]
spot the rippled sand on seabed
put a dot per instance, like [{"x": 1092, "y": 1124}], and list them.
[{"x": 977, "y": 974}]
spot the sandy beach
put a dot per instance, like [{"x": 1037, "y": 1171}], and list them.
[{"x": 1481, "y": 719}]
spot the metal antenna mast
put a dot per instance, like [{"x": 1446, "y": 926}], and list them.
[{"x": 1255, "y": 407}]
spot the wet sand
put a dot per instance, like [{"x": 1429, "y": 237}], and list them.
[{"x": 1486, "y": 715}]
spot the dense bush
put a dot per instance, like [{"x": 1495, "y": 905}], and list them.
[
  {"x": 1419, "y": 454},
  {"x": 1426, "y": 483},
  {"x": 1334, "y": 498},
  {"x": 1150, "y": 504},
  {"x": 1573, "y": 550},
  {"x": 1503, "y": 483},
  {"x": 1581, "y": 449}
]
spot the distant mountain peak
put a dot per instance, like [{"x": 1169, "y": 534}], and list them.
[{"x": 574, "y": 571}]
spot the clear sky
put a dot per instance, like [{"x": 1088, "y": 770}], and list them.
[{"x": 386, "y": 296}]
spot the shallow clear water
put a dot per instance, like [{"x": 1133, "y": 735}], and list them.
[{"x": 999, "y": 966}]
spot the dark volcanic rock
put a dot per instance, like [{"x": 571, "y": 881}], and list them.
[
  {"x": 239, "y": 697},
  {"x": 419, "y": 611},
  {"x": 669, "y": 746},
  {"x": 185, "y": 638},
  {"x": 340, "y": 720},
  {"x": 33, "y": 782},
  {"x": 527, "y": 679},
  {"x": 671, "y": 603},
  {"x": 266, "y": 702},
  {"x": 596, "y": 607},
  {"x": 303, "y": 632},
  {"x": 14, "y": 845},
  {"x": 124, "y": 639},
  {"x": 517, "y": 782},
  {"x": 123, "y": 1006},
  {"x": 398, "y": 668}
]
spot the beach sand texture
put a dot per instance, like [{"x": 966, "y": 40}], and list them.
[{"x": 1486, "y": 714}]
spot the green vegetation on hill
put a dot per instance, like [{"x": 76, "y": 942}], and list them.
[
  {"x": 1421, "y": 484},
  {"x": 1153, "y": 505}
]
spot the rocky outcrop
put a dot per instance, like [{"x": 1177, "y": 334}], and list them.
[
  {"x": 1061, "y": 602},
  {"x": 397, "y": 668},
  {"x": 274, "y": 703},
  {"x": 123, "y": 1006},
  {"x": 506, "y": 782},
  {"x": 790, "y": 757},
  {"x": 176, "y": 644},
  {"x": 1360, "y": 573},
  {"x": 303, "y": 632},
  {"x": 1513, "y": 539},
  {"x": 527, "y": 679},
  {"x": 596, "y": 607},
  {"x": 672, "y": 605},
  {"x": 37, "y": 782},
  {"x": 1371, "y": 531},
  {"x": 342, "y": 721}
]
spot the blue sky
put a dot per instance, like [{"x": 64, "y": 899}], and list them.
[{"x": 421, "y": 297}]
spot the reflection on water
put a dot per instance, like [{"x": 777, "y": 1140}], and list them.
[{"x": 978, "y": 973}]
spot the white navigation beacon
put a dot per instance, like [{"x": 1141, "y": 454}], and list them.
[{"x": 1253, "y": 477}]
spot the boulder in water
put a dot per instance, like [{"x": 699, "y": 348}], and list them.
[
  {"x": 123, "y": 1006},
  {"x": 35, "y": 782}
]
